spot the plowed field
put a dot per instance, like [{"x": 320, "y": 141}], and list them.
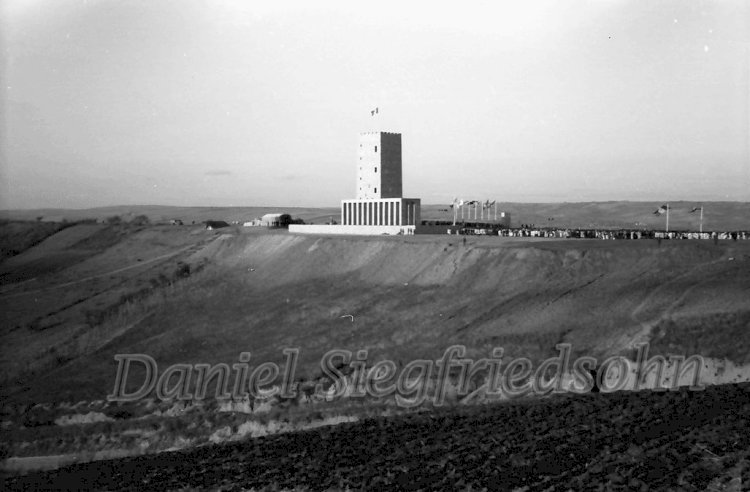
[{"x": 623, "y": 441}]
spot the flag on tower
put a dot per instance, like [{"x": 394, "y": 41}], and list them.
[
  {"x": 661, "y": 210},
  {"x": 695, "y": 209},
  {"x": 374, "y": 112}
]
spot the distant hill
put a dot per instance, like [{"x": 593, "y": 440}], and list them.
[
  {"x": 616, "y": 214},
  {"x": 164, "y": 213},
  {"x": 620, "y": 214}
]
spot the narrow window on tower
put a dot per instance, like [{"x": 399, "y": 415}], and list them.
[
  {"x": 376, "y": 190},
  {"x": 376, "y": 169},
  {"x": 376, "y": 148}
]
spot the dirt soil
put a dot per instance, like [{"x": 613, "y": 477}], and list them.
[{"x": 622, "y": 441}]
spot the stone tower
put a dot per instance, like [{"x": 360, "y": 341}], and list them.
[
  {"x": 379, "y": 166},
  {"x": 380, "y": 205}
]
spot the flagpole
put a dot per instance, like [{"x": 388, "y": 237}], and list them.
[
  {"x": 667, "y": 229},
  {"x": 495, "y": 210},
  {"x": 701, "y": 226}
]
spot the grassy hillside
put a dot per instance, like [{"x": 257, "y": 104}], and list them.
[
  {"x": 73, "y": 301},
  {"x": 18, "y": 236},
  {"x": 410, "y": 297}
]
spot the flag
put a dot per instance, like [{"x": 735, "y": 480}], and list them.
[
  {"x": 486, "y": 205},
  {"x": 460, "y": 203},
  {"x": 374, "y": 112},
  {"x": 661, "y": 210},
  {"x": 695, "y": 209}
]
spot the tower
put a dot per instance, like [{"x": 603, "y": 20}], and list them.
[
  {"x": 380, "y": 205},
  {"x": 379, "y": 172}
]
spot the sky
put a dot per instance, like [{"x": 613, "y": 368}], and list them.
[{"x": 242, "y": 103}]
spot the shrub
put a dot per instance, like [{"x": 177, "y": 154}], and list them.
[
  {"x": 183, "y": 270},
  {"x": 141, "y": 220}
]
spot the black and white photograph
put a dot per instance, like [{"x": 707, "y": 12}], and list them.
[{"x": 338, "y": 245}]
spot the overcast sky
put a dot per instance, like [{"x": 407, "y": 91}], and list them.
[{"x": 191, "y": 102}]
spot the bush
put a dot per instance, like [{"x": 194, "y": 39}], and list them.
[
  {"x": 183, "y": 270},
  {"x": 285, "y": 220},
  {"x": 114, "y": 220},
  {"x": 141, "y": 220}
]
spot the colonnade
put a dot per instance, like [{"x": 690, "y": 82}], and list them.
[{"x": 376, "y": 212}]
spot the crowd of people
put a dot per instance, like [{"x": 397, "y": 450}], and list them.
[{"x": 600, "y": 234}]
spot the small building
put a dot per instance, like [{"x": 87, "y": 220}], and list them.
[{"x": 276, "y": 220}]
